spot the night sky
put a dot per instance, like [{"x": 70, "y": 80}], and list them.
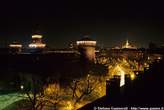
[{"x": 110, "y": 23}]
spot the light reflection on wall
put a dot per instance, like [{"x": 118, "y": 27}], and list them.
[{"x": 88, "y": 43}]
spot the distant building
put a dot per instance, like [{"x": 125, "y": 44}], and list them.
[
  {"x": 87, "y": 47},
  {"x": 37, "y": 41},
  {"x": 128, "y": 46},
  {"x": 37, "y": 45},
  {"x": 15, "y": 47}
]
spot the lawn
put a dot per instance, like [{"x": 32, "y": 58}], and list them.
[{"x": 7, "y": 101}]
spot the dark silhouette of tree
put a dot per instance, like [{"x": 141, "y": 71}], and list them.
[
  {"x": 83, "y": 87},
  {"x": 32, "y": 88}
]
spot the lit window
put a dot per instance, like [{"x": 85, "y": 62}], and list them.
[
  {"x": 15, "y": 45},
  {"x": 37, "y": 45},
  {"x": 37, "y": 36}
]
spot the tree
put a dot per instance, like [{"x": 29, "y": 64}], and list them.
[
  {"x": 32, "y": 88},
  {"x": 53, "y": 94},
  {"x": 82, "y": 88}
]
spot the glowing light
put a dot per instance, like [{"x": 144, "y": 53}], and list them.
[
  {"x": 37, "y": 36},
  {"x": 148, "y": 58},
  {"x": 69, "y": 106},
  {"x": 91, "y": 43},
  {"x": 132, "y": 76},
  {"x": 122, "y": 67},
  {"x": 15, "y": 45},
  {"x": 22, "y": 87},
  {"x": 37, "y": 45},
  {"x": 88, "y": 75},
  {"x": 127, "y": 43},
  {"x": 146, "y": 65},
  {"x": 122, "y": 74},
  {"x": 52, "y": 89},
  {"x": 159, "y": 58},
  {"x": 122, "y": 80},
  {"x": 128, "y": 46}
]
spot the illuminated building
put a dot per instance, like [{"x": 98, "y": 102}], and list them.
[
  {"x": 87, "y": 47},
  {"x": 128, "y": 46},
  {"x": 37, "y": 41},
  {"x": 15, "y": 47}
]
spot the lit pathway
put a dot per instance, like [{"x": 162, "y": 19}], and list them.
[{"x": 7, "y": 99}]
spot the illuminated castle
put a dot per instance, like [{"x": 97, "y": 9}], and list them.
[
  {"x": 15, "y": 47},
  {"x": 128, "y": 46},
  {"x": 87, "y": 47},
  {"x": 37, "y": 41}
]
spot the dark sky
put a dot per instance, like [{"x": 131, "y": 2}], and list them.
[{"x": 110, "y": 23}]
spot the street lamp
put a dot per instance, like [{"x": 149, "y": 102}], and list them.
[{"x": 21, "y": 87}]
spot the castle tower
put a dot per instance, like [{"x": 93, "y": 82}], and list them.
[
  {"x": 128, "y": 46},
  {"x": 37, "y": 41},
  {"x": 86, "y": 48},
  {"x": 15, "y": 47}
]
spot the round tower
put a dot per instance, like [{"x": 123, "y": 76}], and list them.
[
  {"x": 37, "y": 41},
  {"x": 86, "y": 48}
]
